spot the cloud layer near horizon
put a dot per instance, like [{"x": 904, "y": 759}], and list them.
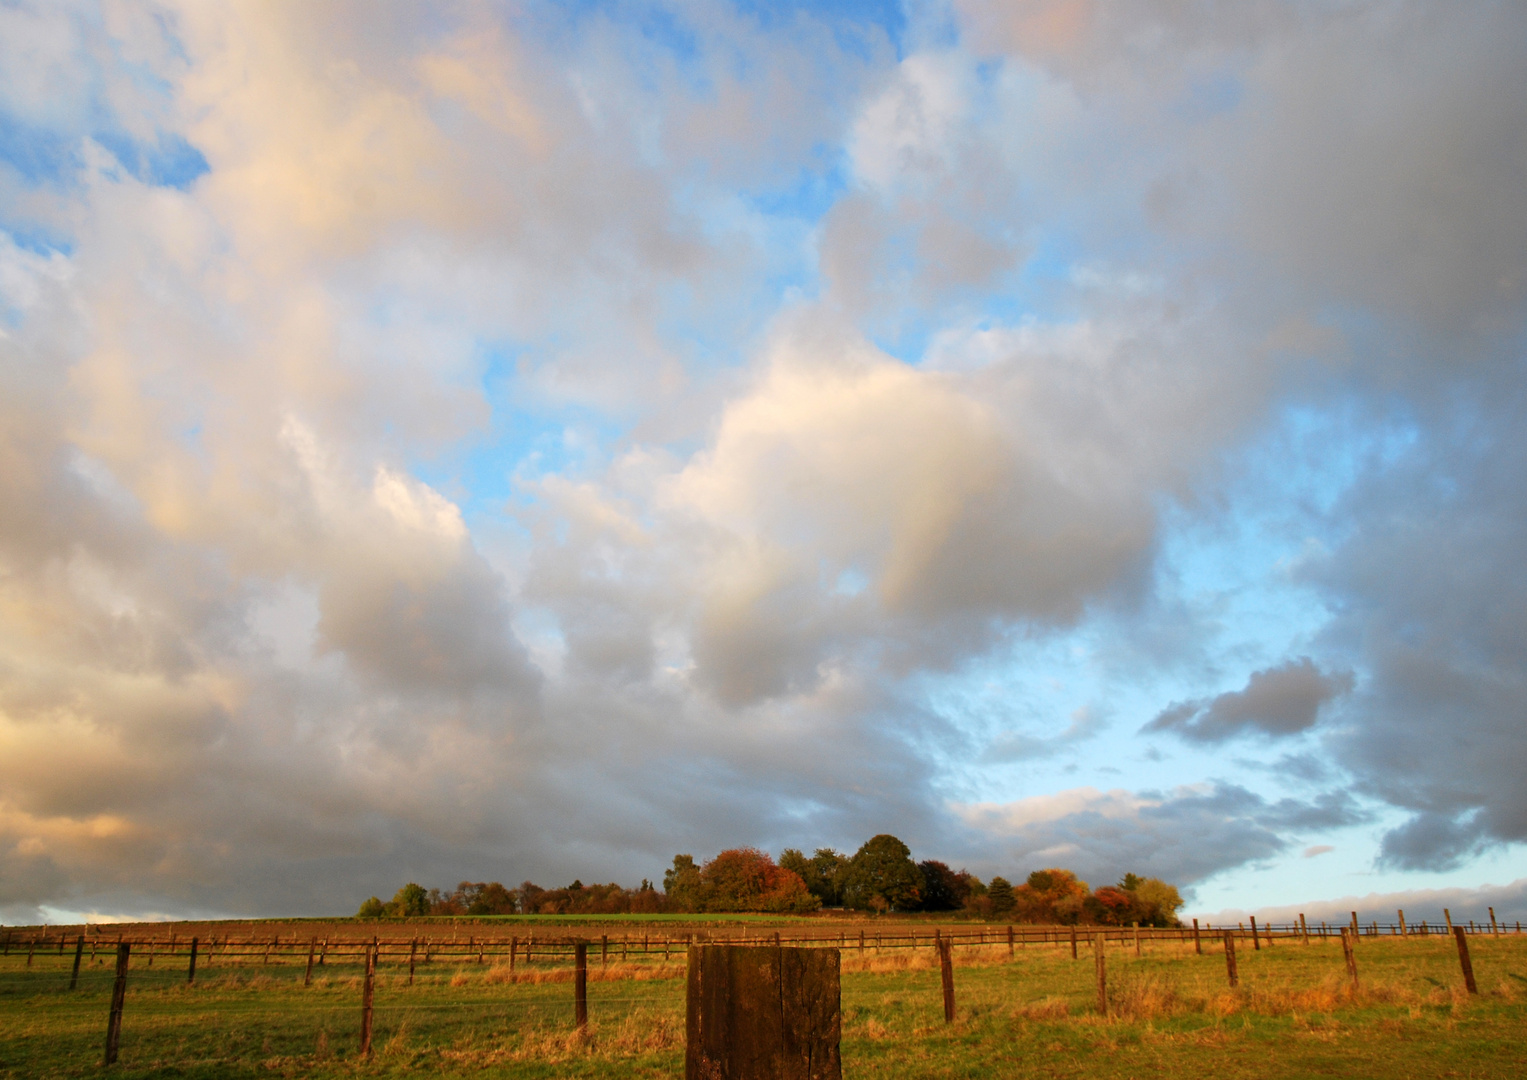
[{"x": 501, "y": 442}]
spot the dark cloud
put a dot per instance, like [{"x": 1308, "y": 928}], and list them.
[
  {"x": 1184, "y": 836},
  {"x": 1283, "y": 700}
]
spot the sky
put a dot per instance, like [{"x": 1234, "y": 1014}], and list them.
[{"x": 504, "y": 441}]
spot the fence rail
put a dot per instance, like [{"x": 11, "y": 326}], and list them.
[{"x": 396, "y": 946}]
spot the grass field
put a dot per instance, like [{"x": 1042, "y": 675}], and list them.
[{"x": 1171, "y": 1015}]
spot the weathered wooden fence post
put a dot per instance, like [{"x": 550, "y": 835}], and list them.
[
  {"x": 1230, "y": 969},
  {"x": 79, "y": 951},
  {"x": 1304, "y": 928},
  {"x": 367, "y": 987},
  {"x": 191, "y": 968},
  {"x": 413, "y": 949},
  {"x": 1100, "y": 961},
  {"x": 581, "y": 984},
  {"x": 1494, "y": 929},
  {"x": 1073, "y": 943},
  {"x": 604, "y": 950},
  {"x": 763, "y": 1013},
  {"x": 946, "y": 975},
  {"x": 1401, "y": 913},
  {"x": 307, "y": 978},
  {"x": 1448, "y": 915},
  {"x": 118, "y": 999},
  {"x": 1463, "y": 960},
  {"x": 1198, "y": 945},
  {"x": 1348, "y": 939}
]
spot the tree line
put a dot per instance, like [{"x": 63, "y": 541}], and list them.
[{"x": 880, "y": 877}]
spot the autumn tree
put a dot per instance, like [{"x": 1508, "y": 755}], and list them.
[
  {"x": 1051, "y": 896},
  {"x": 746, "y": 879},
  {"x": 1156, "y": 902}
]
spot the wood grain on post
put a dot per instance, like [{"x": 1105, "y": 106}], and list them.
[
  {"x": 79, "y": 951},
  {"x": 1348, "y": 939},
  {"x": 118, "y": 999},
  {"x": 1304, "y": 928},
  {"x": 581, "y": 984},
  {"x": 1100, "y": 962},
  {"x": 1256, "y": 941},
  {"x": 946, "y": 974},
  {"x": 1401, "y": 913},
  {"x": 1494, "y": 929},
  {"x": 1231, "y": 971},
  {"x": 367, "y": 988},
  {"x": 761, "y": 1013},
  {"x": 1198, "y": 945},
  {"x": 1464, "y": 961},
  {"x": 1448, "y": 915}
]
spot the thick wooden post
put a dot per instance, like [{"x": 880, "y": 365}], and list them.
[
  {"x": 1073, "y": 943},
  {"x": 1230, "y": 967},
  {"x": 367, "y": 988},
  {"x": 191, "y": 968},
  {"x": 762, "y": 1013},
  {"x": 1463, "y": 960},
  {"x": 946, "y": 973},
  {"x": 1348, "y": 939},
  {"x": 1100, "y": 961},
  {"x": 413, "y": 949},
  {"x": 1256, "y": 940},
  {"x": 1401, "y": 913},
  {"x": 581, "y": 984},
  {"x": 604, "y": 950},
  {"x": 1137, "y": 941},
  {"x": 1009, "y": 941},
  {"x": 118, "y": 999},
  {"x": 1198, "y": 945},
  {"x": 307, "y": 978},
  {"x": 1494, "y": 929},
  {"x": 1448, "y": 915}
]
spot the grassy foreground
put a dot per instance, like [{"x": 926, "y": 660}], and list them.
[{"x": 1171, "y": 1015}]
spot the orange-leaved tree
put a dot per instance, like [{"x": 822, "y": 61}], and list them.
[{"x": 746, "y": 879}]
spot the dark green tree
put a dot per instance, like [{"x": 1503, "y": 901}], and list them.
[
  {"x": 1000, "y": 893},
  {"x": 682, "y": 883},
  {"x": 882, "y": 876}
]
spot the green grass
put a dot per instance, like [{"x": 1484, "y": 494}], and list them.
[{"x": 1171, "y": 1015}]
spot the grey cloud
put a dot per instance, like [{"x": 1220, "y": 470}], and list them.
[
  {"x": 1283, "y": 700},
  {"x": 1183, "y": 836},
  {"x": 1431, "y": 602}
]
